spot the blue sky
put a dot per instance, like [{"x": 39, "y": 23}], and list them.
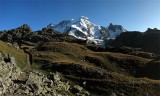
[{"x": 135, "y": 15}]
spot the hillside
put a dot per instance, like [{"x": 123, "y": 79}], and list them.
[
  {"x": 120, "y": 73},
  {"x": 84, "y": 69},
  {"x": 148, "y": 41},
  {"x": 20, "y": 56}
]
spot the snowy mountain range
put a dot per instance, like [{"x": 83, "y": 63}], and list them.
[{"x": 83, "y": 28}]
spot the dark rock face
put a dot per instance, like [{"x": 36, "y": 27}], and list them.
[
  {"x": 111, "y": 27},
  {"x": 114, "y": 27},
  {"x": 148, "y": 41}
]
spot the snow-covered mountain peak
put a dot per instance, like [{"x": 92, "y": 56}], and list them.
[
  {"x": 51, "y": 25},
  {"x": 83, "y": 28},
  {"x": 84, "y": 17},
  {"x": 83, "y": 21}
]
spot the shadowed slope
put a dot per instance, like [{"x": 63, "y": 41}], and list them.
[{"x": 117, "y": 71}]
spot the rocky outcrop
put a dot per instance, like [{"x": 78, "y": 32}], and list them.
[
  {"x": 34, "y": 83},
  {"x": 8, "y": 72},
  {"x": 39, "y": 84},
  {"x": 17, "y": 34}
]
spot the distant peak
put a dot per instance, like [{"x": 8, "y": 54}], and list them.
[
  {"x": 26, "y": 28},
  {"x": 84, "y": 17},
  {"x": 25, "y": 25},
  {"x": 51, "y": 24},
  {"x": 110, "y": 25}
]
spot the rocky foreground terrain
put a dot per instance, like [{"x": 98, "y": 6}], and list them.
[
  {"x": 15, "y": 82},
  {"x": 49, "y": 63}
]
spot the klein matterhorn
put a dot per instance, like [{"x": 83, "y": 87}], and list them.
[{"x": 83, "y": 28}]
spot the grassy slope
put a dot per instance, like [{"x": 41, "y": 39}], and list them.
[
  {"x": 75, "y": 53},
  {"x": 81, "y": 64},
  {"x": 20, "y": 56}
]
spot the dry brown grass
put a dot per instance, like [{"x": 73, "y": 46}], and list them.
[
  {"x": 114, "y": 70},
  {"x": 20, "y": 56}
]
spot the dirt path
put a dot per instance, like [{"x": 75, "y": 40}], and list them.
[{"x": 29, "y": 60}]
